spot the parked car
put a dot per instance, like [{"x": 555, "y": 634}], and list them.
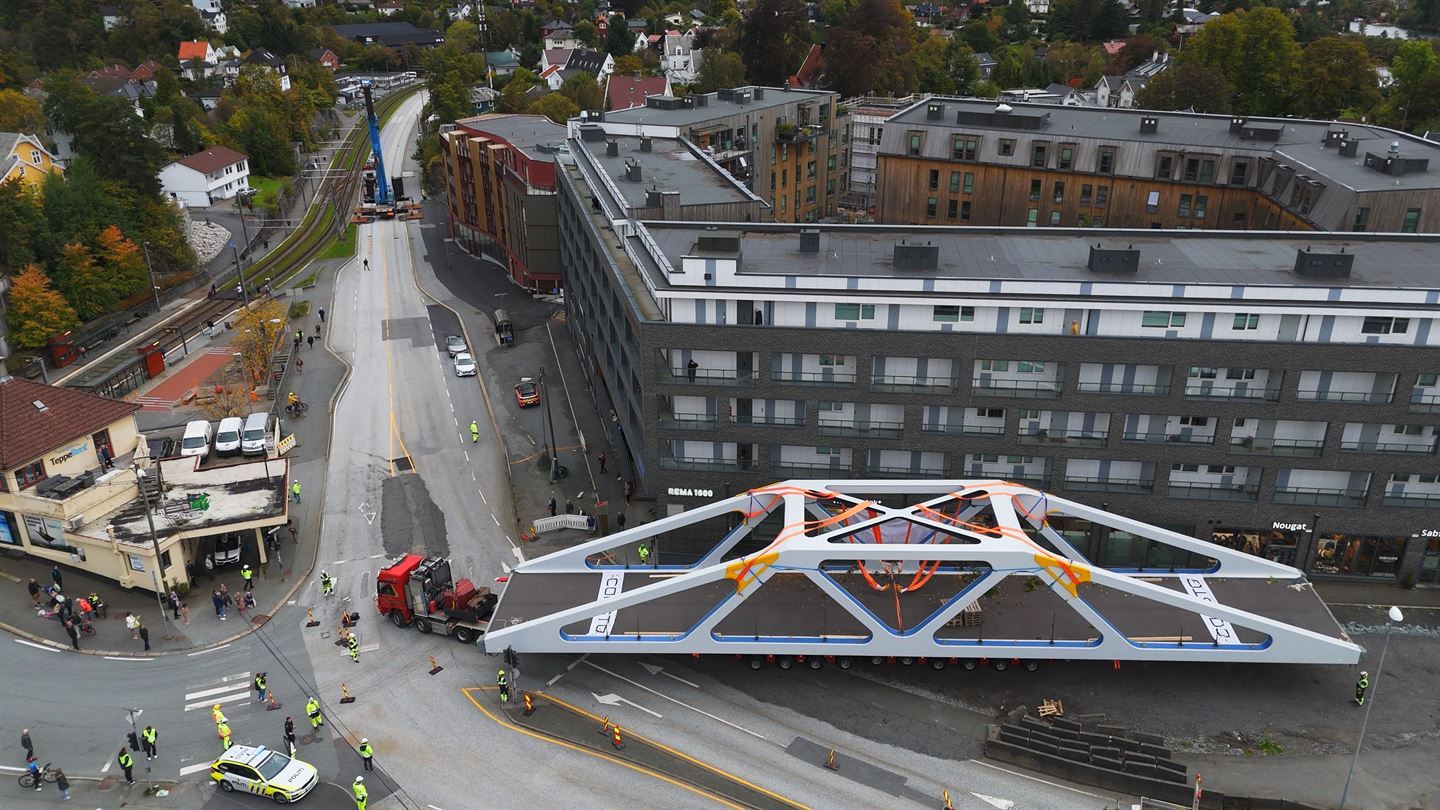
[
  {"x": 196, "y": 441},
  {"x": 527, "y": 393},
  {"x": 258, "y": 770},
  {"x": 455, "y": 344},
  {"x": 227, "y": 437},
  {"x": 227, "y": 552},
  {"x": 464, "y": 365}
]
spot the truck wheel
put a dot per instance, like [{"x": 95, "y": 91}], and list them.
[
  {"x": 785, "y": 662},
  {"x": 397, "y": 618},
  {"x": 756, "y": 662},
  {"x": 969, "y": 663},
  {"x": 1000, "y": 664},
  {"x": 464, "y": 635},
  {"x": 845, "y": 662},
  {"x": 906, "y": 660},
  {"x": 937, "y": 663},
  {"x": 423, "y": 625},
  {"x": 815, "y": 661},
  {"x": 1031, "y": 665}
]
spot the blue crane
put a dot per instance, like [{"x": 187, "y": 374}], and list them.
[{"x": 382, "y": 183}]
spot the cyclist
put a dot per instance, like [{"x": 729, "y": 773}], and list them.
[{"x": 292, "y": 400}]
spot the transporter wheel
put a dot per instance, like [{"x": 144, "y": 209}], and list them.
[
  {"x": 423, "y": 625},
  {"x": 755, "y": 662},
  {"x": 227, "y": 787},
  {"x": 1031, "y": 666},
  {"x": 1000, "y": 664},
  {"x": 845, "y": 662},
  {"x": 785, "y": 662},
  {"x": 969, "y": 663},
  {"x": 907, "y": 660},
  {"x": 815, "y": 662},
  {"x": 464, "y": 635},
  {"x": 877, "y": 660},
  {"x": 937, "y": 663}
]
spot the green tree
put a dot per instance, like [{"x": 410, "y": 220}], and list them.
[
  {"x": 930, "y": 66},
  {"x": 619, "y": 42},
  {"x": 1185, "y": 86},
  {"x": 587, "y": 33},
  {"x": 77, "y": 206},
  {"x": 1016, "y": 21},
  {"x": 22, "y": 226},
  {"x": 82, "y": 282},
  {"x": 883, "y": 31},
  {"x": 979, "y": 37},
  {"x": 630, "y": 64},
  {"x": 1086, "y": 20},
  {"x": 584, "y": 91},
  {"x": 773, "y": 39},
  {"x": 1414, "y": 63},
  {"x": 20, "y": 113},
  {"x": 1335, "y": 75},
  {"x": 554, "y": 106},
  {"x": 1073, "y": 63},
  {"x": 1136, "y": 51},
  {"x": 1257, "y": 54},
  {"x": 720, "y": 69},
  {"x": 36, "y": 311},
  {"x": 513, "y": 97},
  {"x": 124, "y": 268},
  {"x": 107, "y": 130}
]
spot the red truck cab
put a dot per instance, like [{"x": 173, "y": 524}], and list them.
[{"x": 419, "y": 591}]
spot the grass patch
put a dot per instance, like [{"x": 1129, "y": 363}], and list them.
[
  {"x": 342, "y": 246},
  {"x": 268, "y": 190}
]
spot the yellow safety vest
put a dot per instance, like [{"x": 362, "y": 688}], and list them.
[{"x": 150, "y": 735}]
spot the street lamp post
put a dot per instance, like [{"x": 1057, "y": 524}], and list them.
[
  {"x": 1393, "y": 617},
  {"x": 158, "y": 574},
  {"x": 154, "y": 287},
  {"x": 239, "y": 273},
  {"x": 550, "y": 423}
]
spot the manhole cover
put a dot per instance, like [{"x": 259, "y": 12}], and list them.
[{"x": 402, "y": 464}]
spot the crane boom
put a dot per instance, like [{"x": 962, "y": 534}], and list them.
[{"x": 382, "y": 182}]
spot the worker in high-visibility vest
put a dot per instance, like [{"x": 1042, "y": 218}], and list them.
[
  {"x": 327, "y": 585},
  {"x": 504, "y": 683},
  {"x": 224, "y": 731},
  {"x": 126, "y": 762},
  {"x": 474, "y": 431},
  {"x": 354, "y": 648},
  {"x": 312, "y": 711},
  {"x": 247, "y": 574},
  {"x": 1361, "y": 687},
  {"x": 367, "y": 754},
  {"x": 148, "y": 736},
  {"x": 217, "y": 715},
  {"x": 361, "y": 794}
]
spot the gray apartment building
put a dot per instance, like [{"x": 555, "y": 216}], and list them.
[{"x": 1274, "y": 392}]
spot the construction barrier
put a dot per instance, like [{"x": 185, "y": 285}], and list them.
[
  {"x": 434, "y": 667},
  {"x": 345, "y": 696}
]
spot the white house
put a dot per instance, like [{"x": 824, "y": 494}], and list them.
[
  {"x": 112, "y": 16},
  {"x": 213, "y": 14},
  {"x": 201, "y": 179},
  {"x": 260, "y": 57},
  {"x": 300, "y": 3},
  {"x": 679, "y": 60},
  {"x": 557, "y": 66}
]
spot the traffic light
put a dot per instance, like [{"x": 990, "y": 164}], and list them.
[
  {"x": 134, "y": 741},
  {"x": 512, "y": 660}
]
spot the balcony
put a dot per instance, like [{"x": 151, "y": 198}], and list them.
[
  {"x": 1029, "y": 389},
  {"x": 805, "y": 469},
  {"x": 889, "y": 430},
  {"x": 1206, "y": 491},
  {"x": 1416, "y": 500},
  {"x": 770, "y": 421},
  {"x": 1135, "y": 389},
  {"x": 707, "y": 376},
  {"x": 903, "y": 383},
  {"x": 786, "y": 132},
  {"x": 1310, "y": 496},
  {"x": 696, "y": 463},
  {"x": 1076, "y": 438},
  {"x": 1423, "y": 402},
  {"x": 1166, "y": 438},
  {"x": 1359, "y": 397},
  {"x": 903, "y": 472},
  {"x": 1389, "y": 447},
  {"x": 688, "y": 421},
  {"x": 815, "y": 377},
  {"x": 1202, "y": 392},
  {"x": 1087, "y": 484},
  {"x": 1248, "y": 445}
]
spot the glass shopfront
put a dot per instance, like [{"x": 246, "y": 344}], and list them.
[
  {"x": 1358, "y": 555},
  {"x": 1113, "y": 548},
  {"x": 1276, "y": 545},
  {"x": 1430, "y": 563}
]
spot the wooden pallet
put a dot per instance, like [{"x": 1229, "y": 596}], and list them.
[{"x": 1052, "y": 708}]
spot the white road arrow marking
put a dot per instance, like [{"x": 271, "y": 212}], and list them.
[
  {"x": 1002, "y": 804},
  {"x": 616, "y": 700},
  {"x": 594, "y": 665},
  {"x": 658, "y": 670}
]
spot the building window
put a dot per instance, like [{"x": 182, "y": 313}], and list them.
[
  {"x": 834, "y": 359},
  {"x": 1027, "y": 367},
  {"x": 954, "y": 182},
  {"x": 1239, "y": 373},
  {"x": 1067, "y": 157},
  {"x": 1086, "y": 195},
  {"x": 934, "y": 179},
  {"x": 1162, "y": 320},
  {"x": 1107, "y": 160},
  {"x": 810, "y": 169},
  {"x": 1246, "y": 320},
  {"x": 1034, "y": 190},
  {"x": 35, "y": 156},
  {"x": 990, "y": 413},
  {"x": 916, "y": 139},
  {"x": 1385, "y": 326},
  {"x": 1412, "y": 221},
  {"x": 1152, "y": 202},
  {"x": 1057, "y": 194},
  {"x": 969, "y": 187},
  {"x": 1054, "y": 218},
  {"x": 1164, "y": 167},
  {"x": 1201, "y": 202},
  {"x": 965, "y": 210},
  {"x": 930, "y": 206},
  {"x": 1032, "y": 315},
  {"x": 1184, "y": 209},
  {"x": 1185, "y": 468},
  {"x": 1427, "y": 380},
  {"x": 854, "y": 312},
  {"x": 1238, "y": 171},
  {"x": 1203, "y": 373},
  {"x": 827, "y": 451},
  {"x": 952, "y": 209},
  {"x": 1007, "y": 147},
  {"x": 994, "y": 365},
  {"x": 1199, "y": 170},
  {"x": 830, "y": 406},
  {"x": 1032, "y": 217},
  {"x": 1037, "y": 155},
  {"x": 1195, "y": 421},
  {"x": 963, "y": 148},
  {"x": 1362, "y": 219},
  {"x": 30, "y": 475},
  {"x": 945, "y": 314}
]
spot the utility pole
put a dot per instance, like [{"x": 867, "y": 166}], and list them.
[
  {"x": 554, "y": 450},
  {"x": 158, "y": 574},
  {"x": 240, "y": 274},
  {"x": 154, "y": 288}
]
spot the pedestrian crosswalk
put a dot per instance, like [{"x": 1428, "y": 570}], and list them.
[{"x": 235, "y": 694}]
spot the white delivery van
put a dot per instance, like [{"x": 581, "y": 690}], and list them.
[
  {"x": 227, "y": 437},
  {"x": 255, "y": 435},
  {"x": 197, "y": 439}
]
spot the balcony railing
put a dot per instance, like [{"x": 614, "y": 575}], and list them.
[
  {"x": 1388, "y": 447},
  {"x": 982, "y": 430},
  {"x": 815, "y": 377},
  {"x": 1418, "y": 500},
  {"x": 688, "y": 421},
  {"x": 1030, "y": 389},
  {"x": 1310, "y": 496},
  {"x": 1078, "y": 438},
  {"x": 807, "y": 469},
  {"x": 1201, "y": 392},
  {"x": 770, "y": 421},
  {"x": 1422, "y": 402},
  {"x": 1138, "y": 389},
  {"x": 891, "y": 430},
  {"x": 952, "y": 428},
  {"x": 1207, "y": 491},
  {"x": 1276, "y": 447},
  {"x": 1166, "y": 438},
  {"x": 709, "y": 376},
  {"x": 1361, "y": 397},
  {"x": 900, "y": 382},
  {"x": 697, "y": 463},
  {"x": 1087, "y": 484},
  {"x": 1036, "y": 480},
  {"x": 790, "y": 133},
  {"x": 904, "y": 472}
]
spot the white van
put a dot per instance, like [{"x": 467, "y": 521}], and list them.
[
  {"x": 227, "y": 437},
  {"x": 197, "y": 439},
  {"x": 255, "y": 435}
]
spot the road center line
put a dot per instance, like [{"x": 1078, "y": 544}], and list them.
[{"x": 677, "y": 702}]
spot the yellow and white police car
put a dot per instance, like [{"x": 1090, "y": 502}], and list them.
[{"x": 259, "y": 770}]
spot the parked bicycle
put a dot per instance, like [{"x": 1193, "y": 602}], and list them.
[{"x": 48, "y": 773}]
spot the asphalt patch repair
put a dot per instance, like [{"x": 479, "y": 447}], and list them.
[{"x": 560, "y": 721}]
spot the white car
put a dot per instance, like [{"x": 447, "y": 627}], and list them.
[
  {"x": 464, "y": 365},
  {"x": 258, "y": 770},
  {"x": 454, "y": 344}
]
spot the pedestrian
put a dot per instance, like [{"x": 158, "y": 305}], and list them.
[
  {"x": 240, "y": 606},
  {"x": 132, "y": 623},
  {"x": 26, "y": 743},
  {"x": 312, "y": 711},
  {"x": 261, "y": 688},
  {"x": 321, "y": 312},
  {"x": 126, "y": 762},
  {"x": 310, "y": 342},
  {"x": 503, "y": 683},
  {"x": 367, "y": 265},
  {"x": 247, "y": 574},
  {"x": 219, "y": 600},
  {"x": 33, "y": 766},
  {"x": 106, "y": 460},
  {"x": 629, "y": 490},
  {"x": 295, "y": 491},
  {"x": 601, "y": 458},
  {"x": 223, "y": 729},
  {"x": 327, "y": 584},
  {"x": 474, "y": 431},
  {"x": 690, "y": 368},
  {"x": 62, "y": 782},
  {"x": 644, "y": 552},
  {"x": 569, "y": 507},
  {"x": 300, "y": 334},
  {"x": 34, "y": 588},
  {"x": 299, "y": 366},
  {"x": 148, "y": 738},
  {"x": 55, "y": 575},
  {"x": 361, "y": 795},
  {"x": 145, "y": 637},
  {"x": 297, "y": 343},
  {"x": 216, "y": 715},
  {"x": 185, "y": 612},
  {"x": 1361, "y": 687},
  {"x": 290, "y": 734},
  {"x": 367, "y": 754},
  {"x": 354, "y": 645},
  {"x": 318, "y": 332},
  {"x": 620, "y": 521},
  {"x": 174, "y": 604},
  {"x": 550, "y": 505},
  {"x": 73, "y": 634}
]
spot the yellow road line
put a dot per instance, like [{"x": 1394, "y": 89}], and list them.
[
  {"x": 597, "y": 754},
  {"x": 390, "y": 375}
]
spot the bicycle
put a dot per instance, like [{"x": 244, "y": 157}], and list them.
[{"x": 49, "y": 774}]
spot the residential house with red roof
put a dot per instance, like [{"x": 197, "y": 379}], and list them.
[
  {"x": 204, "y": 178},
  {"x": 625, "y": 92}
]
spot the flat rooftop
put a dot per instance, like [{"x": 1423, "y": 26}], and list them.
[
  {"x": 721, "y": 104},
  {"x": 1062, "y": 254},
  {"x": 535, "y": 135},
  {"x": 1299, "y": 141},
  {"x": 239, "y": 493},
  {"x": 671, "y": 164}
]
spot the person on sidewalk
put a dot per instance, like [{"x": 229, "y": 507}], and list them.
[
  {"x": 550, "y": 506},
  {"x": 629, "y": 490},
  {"x": 295, "y": 491},
  {"x": 367, "y": 754},
  {"x": 290, "y": 735},
  {"x": 219, "y": 600},
  {"x": 321, "y": 312},
  {"x": 33, "y": 766},
  {"x": 474, "y": 431},
  {"x": 569, "y": 507},
  {"x": 132, "y": 623},
  {"x": 312, "y": 711},
  {"x": 27, "y": 744},
  {"x": 310, "y": 342},
  {"x": 620, "y": 521},
  {"x": 55, "y": 575},
  {"x": 601, "y": 458},
  {"x": 503, "y": 683},
  {"x": 261, "y": 688},
  {"x": 127, "y": 764},
  {"x": 185, "y": 612},
  {"x": 34, "y": 588},
  {"x": 248, "y": 574},
  {"x": 73, "y": 633},
  {"x": 62, "y": 782},
  {"x": 174, "y": 600},
  {"x": 361, "y": 795},
  {"x": 144, "y": 636},
  {"x": 1361, "y": 687},
  {"x": 148, "y": 738}
]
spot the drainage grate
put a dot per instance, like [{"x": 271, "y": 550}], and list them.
[{"x": 402, "y": 464}]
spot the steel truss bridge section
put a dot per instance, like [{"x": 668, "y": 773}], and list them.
[{"x": 974, "y": 569}]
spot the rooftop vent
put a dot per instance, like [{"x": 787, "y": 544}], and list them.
[
  {"x": 1349, "y": 148},
  {"x": 809, "y": 240},
  {"x": 1149, "y": 125},
  {"x": 1395, "y": 164},
  {"x": 1237, "y": 123},
  {"x": 725, "y": 94},
  {"x": 729, "y": 243},
  {"x": 1311, "y": 263},
  {"x": 1335, "y": 137},
  {"x": 742, "y": 96},
  {"x": 934, "y": 111},
  {"x": 1120, "y": 261},
  {"x": 759, "y": 93},
  {"x": 916, "y": 257},
  {"x": 612, "y": 149},
  {"x": 1004, "y": 109},
  {"x": 592, "y": 133},
  {"x": 1002, "y": 116},
  {"x": 632, "y": 171},
  {"x": 646, "y": 145},
  {"x": 704, "y": 99},
  {"x": 1259, "y": 133}
]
